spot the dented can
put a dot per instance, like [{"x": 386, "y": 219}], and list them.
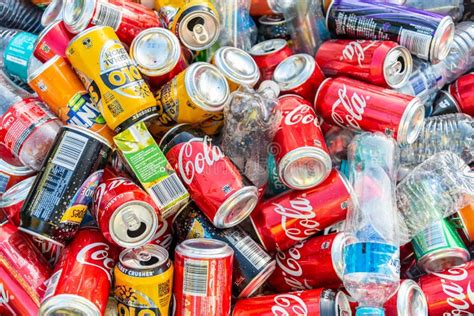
[{"x": 269, "y": 54}]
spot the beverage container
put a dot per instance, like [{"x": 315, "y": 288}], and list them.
[
  {"x": 21, "y": 14},
  {"x": 82, "y": 279},
  {"x": 52, "y": 41},
  {"x": 429, "y": 38},
  {"x": 143, "y": 281},
  {"x": 462, "y": 222},
  {"x": 453, "y": 8},
  {"x": 53, "y": 12},
  {"x": 112, "y": 79},
  {"x": 12, "y": 200},
  {"x": 272, "y": 26},
  {"x": 163, "y": 236},
  {"x": 269, "y": 54},
  {"x": 444, "y": 103},
  {"x": 17, "y": 55},
  {"x": 63, "y": 190},
  {"x": 11, "y": 175},
  {"x": 262, "y": 7},
  {"x": 274, "y": 184},
  {"x": 383, "y": 63},
  {"x": 203, "y": 277},
  {"x": 51, "y": 251},
  {"x": 462, "y": 92},
  {"x": 360, "y": 106},
  {"x": 302, "y": 156},
  {"x": 409, "y": 301},
  {"x": 212, "y": 180}
]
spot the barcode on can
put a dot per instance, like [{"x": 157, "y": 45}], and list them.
[
  {"x": 434, "y": 236},
  {"x": 418, "y": 44},
  {"x": 4, "y": 178},
  {"x": 253, "y": 252},
  {"x": 70, "y": 150},
  {"x": 167, "y": 191},
  {"x": 195, "y": 277},
  {"x": 107, "y": 14},
  {"x": 51, "y": 284}
]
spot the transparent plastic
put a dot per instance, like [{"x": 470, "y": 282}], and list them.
[
  {"x": 20, "y": 14},
  {"x": 9, "y": 93}
]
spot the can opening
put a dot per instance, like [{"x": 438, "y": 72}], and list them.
[
  {"x": 135, "y": 227},
  {"x": 147, "y": 259},
  {"x": 196, "y": 26},
  {"x": 138, "y": 232}
]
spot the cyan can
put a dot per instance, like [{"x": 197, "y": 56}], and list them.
[{"x": 18, "y": 55}]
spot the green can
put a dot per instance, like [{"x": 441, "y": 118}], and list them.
[{"x": 439, "y": 247}]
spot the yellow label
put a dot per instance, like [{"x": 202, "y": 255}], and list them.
[{"x": 74, "y": 214}]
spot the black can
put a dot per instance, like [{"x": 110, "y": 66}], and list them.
[
  {"x": 271, "y": 27},
  {"x": 444, "y": 104},
  {"x": 252, "y": 265},
  {"x": 63, "y": 189}
]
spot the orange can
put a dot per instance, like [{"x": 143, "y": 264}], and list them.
[
  {"x": 59, "y": 87},
  {"x": 466, "y": 217}
]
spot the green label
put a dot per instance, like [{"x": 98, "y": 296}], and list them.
[{"x": 148, "y": 164}]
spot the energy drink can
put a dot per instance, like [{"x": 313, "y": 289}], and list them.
[
  {"x": 63, "y": 189},
  {"x": 112, "y": 79},
  {"x": 143, "y": 281}
]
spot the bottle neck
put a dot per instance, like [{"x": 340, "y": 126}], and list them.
[{"x": 370, "y": 311}]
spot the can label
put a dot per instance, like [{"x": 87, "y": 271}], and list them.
[
  {"x": 18, "y": 53},
  {"x": 275, "y": 186},
  {"x": 82, "y": 112},
  {"x": 107, "y": 14}
]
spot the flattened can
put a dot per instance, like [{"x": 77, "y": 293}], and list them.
[
  {"x": 112, "y": 79},
  {"x": 62, "y": 191},
  {"x": 143, "y": 281}
]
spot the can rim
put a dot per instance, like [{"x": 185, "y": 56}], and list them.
[
  {"x": 408, "y": 286},
  {"x": 436, "y": 54},
  {"x": 224, "y": 216},
  {"x": 262, "y": 19},
  {"x": 15, "y": 170},
  {"x": 430, "y": 261},
  {"x": 257, "y": 233},
  {"x": 68, "y": 301},
  {"x": 226, "y": 66},
  {"x": 220, "y": 250},
  {"x": 414, "y": 110},
  {"x": 52, "y": 12},
  {"x": 90, "y": 133},
  {"x": 42, "y": 237},
  {"x": 308, "y": 69},
  {"x": 282, "y": 44},
  {"x": 183, "y": 29},
  {"x": 83, "y": 20},
  {"x": 398, "y": 51},
  {"x": 86, "y": 31},
  {"x": 337, "y": 253},
  {"x": 341, "y": 303},
  {"x": 24, "y": 188},
  {"x": 259, "y": 279},
  {"x": 159, "y": 251},
  {"x": 453, "y": 86},
  {"x": 38, "y": 71}
]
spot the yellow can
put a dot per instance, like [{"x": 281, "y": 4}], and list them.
[
  {"x": 112, "y": 79},
  {"x": 143, "y": 281}
]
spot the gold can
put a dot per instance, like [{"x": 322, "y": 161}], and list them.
[
  {"x": 112, "y": 79},
  {"x": 143, "y": 281},
  {"x": 213, "y": 125},
  {"x": 193, "y": 96}
]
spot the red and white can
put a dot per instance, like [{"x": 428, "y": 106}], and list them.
[
  {"x": 383, "y": 63},
  {"x": 163, "y": 236},
  {"x": 463, "y": 92},
  {"x": 299, "y": 74},
  {"x": 299, "y": 147},
  {"x": 203, "y": 277},
  {"x": 449, "y": 292},
  {"x": 82, "y": 279},
  {"x": 51, "y": 251},
  {"x": 52, "y": 41},
  {"x": 11, "y": 175},
  {"x": 294, "y": 216},
  {"x": 125, "y": 213},
  {"x": 319, "y": 302},
  {"x": 268, "y": 55},
  {"x": 213, "y": 181},
  {"x": 361, "y": 106},
  {"x": 12, "y": 200},
  {"x": 409, "y": 300},
  {"x": 313, "y": 263}
]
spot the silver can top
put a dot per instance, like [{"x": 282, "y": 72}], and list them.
[
  {"x": 411, "y": 300},
  {"x": 268, "y": 47},
  {"x": 17, "y": 193},
  {"x": 145, "y": 257},
  {"x": 442, "y": 40},
  {"x": 53, "y": 12},
  {"x": 68, "y": 304},
  {"x": 337, "y": 253},
  {"x": 204, "y": 248},
  {"x": 237, "y": 65},
  {"x": 411, "y": 122},
  {"x": 237, "y": 207},
  {"x": 15, "y": 170},
  {"x": 274, "y": 19},
  {"x": 397, "y": 67},
  {"x": 77, "y": 14},
  {"x": 294, "y": 71},
  {"x": 199, "y": 29}
]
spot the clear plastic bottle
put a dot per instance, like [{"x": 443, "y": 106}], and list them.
[
  {"x": 20, "y": 14},
  {"x": 371, "y": 257}
]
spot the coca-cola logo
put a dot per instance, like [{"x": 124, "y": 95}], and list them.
[
  {"x": 4, "y": 295},
  {"x": 354, "y": 108},
  {"x": 289, "y": 305},
  {"x": 190, "y": 163},
  {"x": 302, "y": 114},
  {"x": 7, "y": 120},
  {"x": 291, "y": 270},
  {"x": 301, "y": 210},
  {"x": 356, "y": 49},
  {"x": 97, "y": 255},
  {"x": 104, "y": 187}
]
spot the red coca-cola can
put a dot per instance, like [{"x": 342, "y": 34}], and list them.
[
  {"x": 319, "y": 302},
  {"x": 11, "y": 175},
  {"x": 409, "y": 300},
  {"x": 268, "y": 55},
  {"x": 203, "y": 277},
  {"x": 463, "y": 92},
  {"x": 82, "y": 279},
  {"x": 163, "y": 236},
  {"x": 299, "y": 74},
  {"x": 213, "y": 181},
  {"x": 125, "y": 213},
  {"x": 51, "y": 251},
  {"x": 361, "y": 106},
  {"x": 294, "y": 216},
  {"x": 52, "y": 41},
  {"x": 311, "y": 264},
  {"x": 383, "y": 63},
  {"x": 12, "y": 200},
  {"x": 8, "y": 157},
  {"x": 125, "y": 17},
  {"x": 300, "y": 149}
]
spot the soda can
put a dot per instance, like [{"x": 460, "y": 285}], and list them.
[
  {"x": 294, "y": 216},
  {"x": 12, "y": 200},
  {"x": 237, "y": 66},
  {"x": 264, "y": 7},
  {"x": 126, "y": 18},
  {"x": 213, "y": 125},
  {"x": 203, "y": 277},
  {"x": 163, "y": 236},
  {"x": 444, "y": 104},
  {"x": 112, "y": 79},
  {"x": 361, "y": 106},
  {"x": 125, "y": 213},
  {"x": 51, "y": 251},
  {"x": 63, "y": 189},
  {"x": 53, "y": 12},
  {"x": 383, "y": 63},
  {"x": 463, "y": 221},
  {"x": 59, "y": 87},
  {"x": 252, "y": 265},
  {"x": 269, "y": 54},
  {"x": 82, "y": 279},
  {"x": 28, "y": 130},
  {"x": 462, "y": 91},
  {"x": 439, "y": 247},
  {"x": 143, "y": 281},
  {"x": 409, "y": 301},
  {"x": 158, "y": 55},
  {"x": 272, "y": 26},
  {"x": 17, "y": 55},
  {"x": 187, "y": 97},
  {"x": 426, "y": 35},
  {"x": 11, "y": 175},
  {"x": 301, "y": 153},
  {"x": 213, "y": 181},
  {"x": 319, "y": 302},
  {"x": 313, "y": 263},
  {"x": 299, "y": 74},
  {"x": 274, "y": 184},
  {"x": 449, "y": 292},
  {"x": 52, "y": 41}
]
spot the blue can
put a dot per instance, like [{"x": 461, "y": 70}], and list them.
[{"x": 18, "y": 55}]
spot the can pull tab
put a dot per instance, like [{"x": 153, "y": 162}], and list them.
[
  {"x": 200, "y": 34},
  {"x": 395, "y": 68}
]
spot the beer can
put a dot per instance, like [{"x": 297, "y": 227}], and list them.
[
  {"x": 114, "y": 83},
  {"x": 462, "y": 91},
  {"x": 11, "y": 175},
  {"x": 269, "y": 54},
  {"x": 63, "y": 189},
  {"x": 52, "y": 41},
  {"x": 12, "y": 200},
  {"x": 143, "y": 281},
  {"x": 203, "y": 277},
  {"x": 17, "y": 55},
  {"x": 57, "y": 85},
  {"x": 273, "y": 26},
  {"x": 439, "y": 247}
]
